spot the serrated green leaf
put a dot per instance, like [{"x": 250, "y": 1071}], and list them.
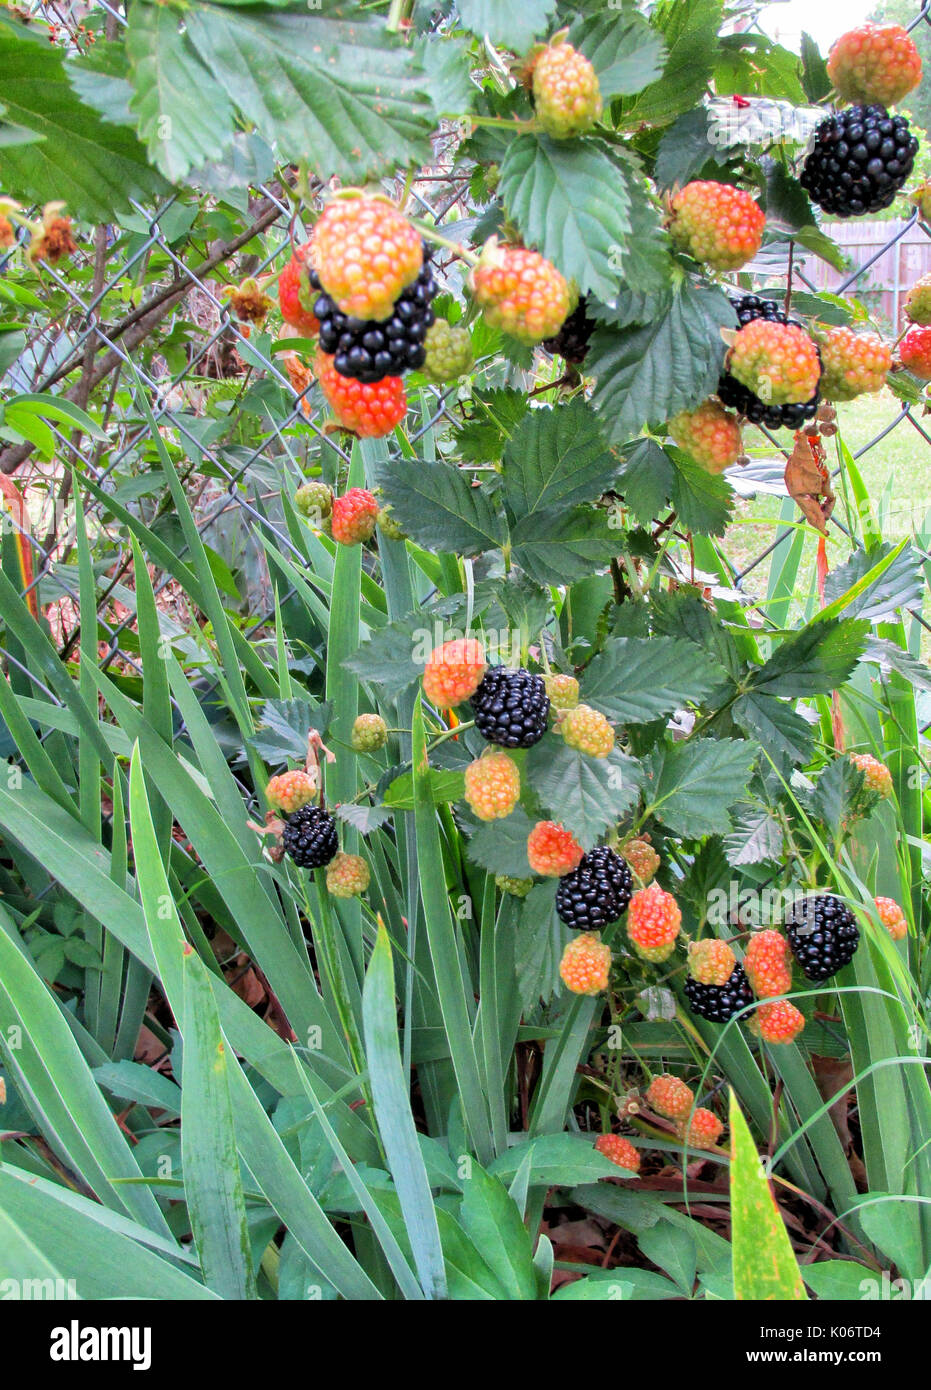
[
  {"x": 585, "y": 794},
  {"x": 635, "y": 680},
  {"x": 94, "y": 166},
  {"x": 386, "y": 660},
  {"x": 784, "y": 734},
  {"x": 653, "y": 371},
  {"x": 624, "y": 50},
  {"x": 365, "y": 819},
  {"x": 692, "y": 786},
  {"x": 691, "y": 33},
  {"x": 752, "y": 64},
  {"x": 557, "y": 458},
  {"x": 500, "y": 846},
  {"x": 888, "y": 654},
  {"x": 682, "y": 612},
  {"x": 437, "y": 506},
  {"x": 183, "y": 115},
  {"x": 514, "y": 26},
  {"x": 495, "y": 417},
  {"x": 838, "y": 786},
  {"x": 815, "y": 660},
  {"x": 558, "y": 546},
  {"x": 571, "y": 201},
  {"x": 647, "y": 253},
  {"x": 538, "y": 945},
  {"x": 447, "y": 62},
  {"x": 288, "y": 73},
  {"x": 756, "y": 839},
  {"x": 896, "y": 584},
  {"x": 703, "y": 501},
  {"x": 684, "y": 149},
  {"x": 645, "y": 479},
  {"x": 283, "y": 728}
]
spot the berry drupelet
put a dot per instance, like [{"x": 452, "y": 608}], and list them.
[
  {"x": 596, "y": 893},
  {"x": 861, "y": 157},
  {"x": 310, "y": 838},
  {"x": 511, "y": 707},
  {"x": 823, "y": 934}
]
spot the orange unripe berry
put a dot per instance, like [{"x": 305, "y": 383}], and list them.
[
  {"x": 620, "y": 1151},
  {"x": 711, "y": 962},
  {"x": 552, "y": 850},
  {"x": 492, "y": 786},
  {"x": 653, "y": 922},
  {"x": 670, "y": 1097},
  {"x": 719, "y": 225},
  {"x": 768, "y": 964},
  {"x": 454, "y": 672},
  {"x": 585, "y": 967},
  {"x": 704, "y": 1130},
  {"x": 892, "y": 918}
]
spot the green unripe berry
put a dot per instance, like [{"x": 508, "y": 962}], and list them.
[
  {"x": 314, "y": 500},
  {"x": 369, "y": 733},
  {"x": 449, "y": 351}
]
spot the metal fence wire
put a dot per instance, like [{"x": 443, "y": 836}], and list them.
[{"x": 98, "y": 343}]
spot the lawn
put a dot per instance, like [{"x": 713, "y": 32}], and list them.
[{"x": 896, "y": 469}]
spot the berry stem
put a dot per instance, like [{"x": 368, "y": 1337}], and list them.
[
  {"x": 433, "y": 235},
  {"x": 514, "y": 123},
  {"x": 397, "y": 15}
]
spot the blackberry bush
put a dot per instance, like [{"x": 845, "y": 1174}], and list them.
[{"x": 382, "y": 403}]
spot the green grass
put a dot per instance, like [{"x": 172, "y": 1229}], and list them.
[{"x": 897, "y": 471}]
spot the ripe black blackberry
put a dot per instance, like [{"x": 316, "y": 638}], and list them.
[
  {"x": 511, "y": 707},
  {"x": 368, "y": 350},
  {"x": 733, "y": 393},
  {"x": 310, "y": 838},
  {"x": 571, "y": 342},
  {"x": 718, "y": 1003},
  {"x": 861, "y": 157},
  {"x": 596, "y": 893},
  {"x": 823, "y": 934}
]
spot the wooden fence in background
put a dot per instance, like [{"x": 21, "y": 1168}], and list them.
[{"x": 895, "y": 268}]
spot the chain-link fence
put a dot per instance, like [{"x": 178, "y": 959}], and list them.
[{"x": 109, "y": 339}]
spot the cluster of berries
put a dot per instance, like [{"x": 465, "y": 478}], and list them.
[
  {"x": 350, "y": 518},
  {"x": 915, "y": 347},
  {"x": 820, "y": 933},
  {"x": 363, "y": 286},
  {"x": 773, "y": 368},
  {"x": 861, "y": 156},
  {"x": 309, "y": 835},
  {"x": 674, "y": 1100}
]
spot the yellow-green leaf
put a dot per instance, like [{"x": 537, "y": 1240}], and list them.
[{"x": 765, "y": 1267}]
